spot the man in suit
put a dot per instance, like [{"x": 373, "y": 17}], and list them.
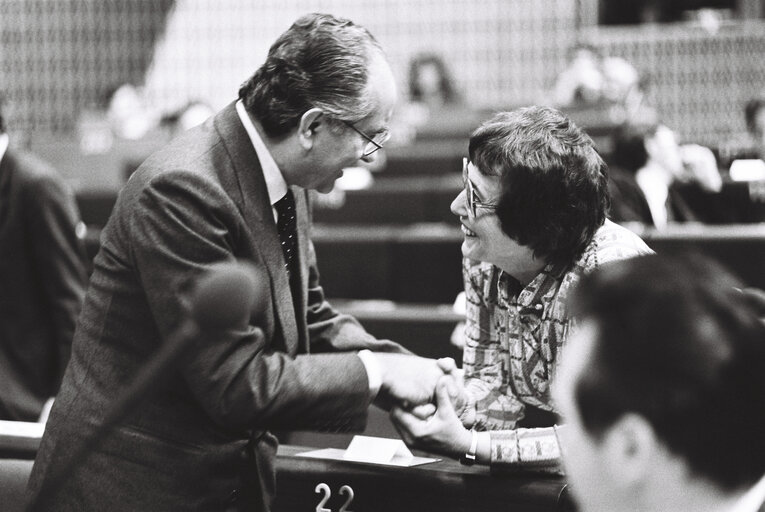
[
  {"x": 662, "y": 390},
  {"x": 42, "y": 280},
  {"x": 234, "y": 188}
]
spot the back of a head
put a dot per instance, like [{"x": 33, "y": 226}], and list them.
[
  {"x": 679, "y": 345},
  {"x": 629, "y": 149},
  {"x": 320, "y": 61},
  {"x": 554, "y": 182}
]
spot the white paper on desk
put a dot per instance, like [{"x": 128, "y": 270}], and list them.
[
  {"x": 372, "y": 450},
  {"x": 378, "y": 450}
]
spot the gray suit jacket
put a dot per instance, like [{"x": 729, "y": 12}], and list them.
[{"x": 199, "y": 441}]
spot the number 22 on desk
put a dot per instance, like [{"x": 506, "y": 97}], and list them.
[{"x": 323, "y": 489}]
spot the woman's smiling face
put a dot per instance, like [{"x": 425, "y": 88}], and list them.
[{"x": 484, "y": 238}]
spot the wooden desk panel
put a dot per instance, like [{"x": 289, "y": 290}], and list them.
[{"x": 440, "y": 486}]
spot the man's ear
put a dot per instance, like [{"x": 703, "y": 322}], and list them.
[
  {"x": 311, "y": 121},
  {"x": 631, "y": 450}
]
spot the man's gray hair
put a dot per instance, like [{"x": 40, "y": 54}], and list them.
[{"x": 321, "y": 61}]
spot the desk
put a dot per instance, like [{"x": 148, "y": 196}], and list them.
[{"x": 441, "y": 486}]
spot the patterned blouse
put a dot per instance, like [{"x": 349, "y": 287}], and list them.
[{"x": 514, "y": 335}]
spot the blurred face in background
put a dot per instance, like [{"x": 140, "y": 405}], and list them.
[
  {"x": 429, "y": 79},
  {"x": 664, "y": 151}
]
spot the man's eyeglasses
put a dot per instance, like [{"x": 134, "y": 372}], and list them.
[
  {"x": 473, "y": 203},
  {"x": 373, "y": 143}
]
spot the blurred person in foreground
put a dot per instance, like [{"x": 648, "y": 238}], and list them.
[
  {"x": 533, "y": 212},
  {"x": 647, "y": 167},
  {"x": 42, "y": 280},
  {"x": 662, "y": 390},
  {"x": 235, "y": 187}
]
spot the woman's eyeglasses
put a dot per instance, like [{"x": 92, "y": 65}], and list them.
[{"x": 473, "y": 203}]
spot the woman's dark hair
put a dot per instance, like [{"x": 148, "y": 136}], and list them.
[{"x": 554, "y": 183}]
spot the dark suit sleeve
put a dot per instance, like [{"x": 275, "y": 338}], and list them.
[
  {"x": 59, "y": 257},
  {"x": 183, "y": 223}
]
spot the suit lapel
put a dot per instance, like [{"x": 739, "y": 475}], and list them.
[
  {"x": 249, "y": 188},
  {"x": 303, "y": 224}
]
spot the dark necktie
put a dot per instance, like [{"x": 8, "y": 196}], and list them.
[{"x": 286, "y": 224}]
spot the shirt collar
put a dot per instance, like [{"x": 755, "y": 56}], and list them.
[
  {"x": 275, "y": 183},
  {"x": 4, "y": 141}
]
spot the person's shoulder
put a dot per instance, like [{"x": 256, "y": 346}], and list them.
[
  {"x": 613, "y": 242},
  {"x": 35, "y": 175}
]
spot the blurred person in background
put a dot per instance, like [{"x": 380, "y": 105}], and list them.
[
  {"x": 235, "y": 187},
  {"x": 754, "y": 114},
  {"x": 752, "y": 144},
  {"x": 430, "y": 83},
  {"x": 581, "y": 82},
  {"x": 434, "y": 108},
  {"x": 647, "y": 166},
  {"x": 533, "y": 213},
  {"x": 42, "y": 280},
  {"x": 625, "y": 91},
  {"x": 662, "y": 390}
]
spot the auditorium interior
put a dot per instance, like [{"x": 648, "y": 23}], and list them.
[{"x": 95, "y": 87}]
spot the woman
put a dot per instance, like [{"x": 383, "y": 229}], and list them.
[{"x": 533, "y": 212}]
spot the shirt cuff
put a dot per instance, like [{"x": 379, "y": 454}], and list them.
[
  {"x": 528, "y": 448},
  {"x": 374, "y": 373}
]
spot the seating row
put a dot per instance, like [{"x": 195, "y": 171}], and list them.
[
  {"x": 415, "y": 199},
  {"x": 422, "y": 263}
]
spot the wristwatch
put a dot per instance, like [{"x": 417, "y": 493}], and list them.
[{"x": 468, "y": 459}]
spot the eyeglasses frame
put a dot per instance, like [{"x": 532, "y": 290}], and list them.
[
  {"x": 471, "y": 198},
  {"x": 370, "y": 140}
]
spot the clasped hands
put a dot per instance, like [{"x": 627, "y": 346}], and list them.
[{"x": 429, "y": 405}]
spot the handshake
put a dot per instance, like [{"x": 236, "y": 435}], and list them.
[{"x": 427, "y": 401}]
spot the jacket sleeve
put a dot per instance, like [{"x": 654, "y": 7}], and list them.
[{"x": 180, "y": 224}]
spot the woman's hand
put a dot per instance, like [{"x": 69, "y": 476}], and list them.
[{"x": 440, "y": 432}]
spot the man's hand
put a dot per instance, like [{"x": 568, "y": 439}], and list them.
[
  {"x": 700, "y": 166},
  {"x": 442, "y": 432},
  {"x": 409, "y": 380}
]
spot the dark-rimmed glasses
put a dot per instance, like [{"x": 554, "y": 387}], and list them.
[
  {"x": 373, "y": 143},
  {"x": 473, "y": 203}
]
